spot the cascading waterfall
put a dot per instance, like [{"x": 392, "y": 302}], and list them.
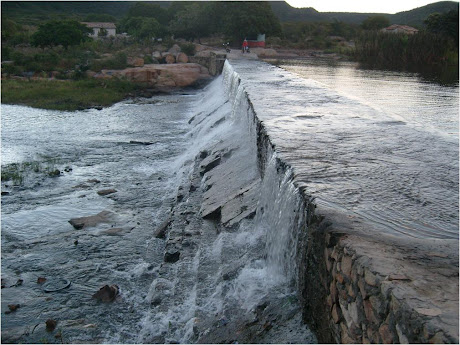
[
  {"x": 280, "y": 209},
  {"x": 236, "y": 271}
]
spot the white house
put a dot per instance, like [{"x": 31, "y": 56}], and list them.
[{"x": 110, "y": 28}]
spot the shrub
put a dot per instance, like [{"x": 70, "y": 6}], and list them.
[
  {"x": 401, "y": 51},
  {"x": 187, "y": 48}
]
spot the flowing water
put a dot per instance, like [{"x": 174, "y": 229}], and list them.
[{"x": 231, "y": 284}]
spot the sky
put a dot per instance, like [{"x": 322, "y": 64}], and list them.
[{"x": 367, "y": 6}]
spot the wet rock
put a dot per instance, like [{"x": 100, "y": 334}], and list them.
[
  {"x": 81, "y": 186},
  {"x": 5, "y": 193},
  {"x": 13, "y": 307},
  {"x": 209, "y": 163},
  {"x": 171, "y": 256},
  {"x": 398, "y": 277},
  {"x": 93, "y": 181},
  {"x": 113, "y": 231},
  {"x": 140, "y": 142},
  {"x": 82, "y": 222},
  {"x": 106, "y": 293},
  {"x": 104, "y": 192},
  {"x": 18, "y": 283},
  {"x": 50, "y": 325},
  {"x": 160, "y": 232},
  {"x": 90, "y": 325},
  {"x": 156, "y": 301},
  {"x": 54, "y": 173},
  {"x": 41, "y": 280}
]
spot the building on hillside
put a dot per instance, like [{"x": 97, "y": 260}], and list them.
[
  {"x": 99, "y": 28},
  {"x": 400, "y": 29},
  {"x": 259, "y": 41}
]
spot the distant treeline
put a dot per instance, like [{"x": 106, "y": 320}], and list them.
[
  {"x": 35, "y": 24},
  {"x": 144, "y": 20}
]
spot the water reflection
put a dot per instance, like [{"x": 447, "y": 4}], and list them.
[{"x": 428, "y": 100}]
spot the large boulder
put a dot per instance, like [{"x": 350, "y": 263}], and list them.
[
  {"x": 204, "y": 53},
  {"x": 106, "y": 293},
  {"x": 163, "y": 76},
  {"x": 181, "y": 58},
  {"x": 135, "y": 61},
  {"x": 175, "y": 49},
  {"x": 85, "y": 222},
  {"x": 156, "y": 55},
  {"x": 170, "y": 59},
  {"x": 200, "y": 47}
]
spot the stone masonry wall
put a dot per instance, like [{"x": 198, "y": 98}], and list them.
[
  {"x": 356, "y": 290},
  {"x": 214, "y": 63}
]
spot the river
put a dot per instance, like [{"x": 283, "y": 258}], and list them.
[{"x": 145, "y": 149}]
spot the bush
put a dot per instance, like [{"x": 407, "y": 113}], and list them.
[
  {"x": 6, "y": 53},
  {"x": 12, "y": 69},
  {"x": 402, "y": 51},
  {"x": 187, "y": 48},
  {"x": 119, "y": 61}
]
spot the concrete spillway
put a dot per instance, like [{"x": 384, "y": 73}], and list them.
[{"x": 359, "y": 211}]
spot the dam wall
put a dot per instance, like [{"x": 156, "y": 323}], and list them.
[{"x": 356, "y": 283}]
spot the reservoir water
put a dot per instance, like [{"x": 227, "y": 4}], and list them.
[{"x": 145, "y": 149}]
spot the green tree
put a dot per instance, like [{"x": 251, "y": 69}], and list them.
[
  {"x": 375, "y": 23},
  {"x": 444, "y": 24},
  {"x": 193, "y": 20},
  {"x": 100, "y": 17},
  {"x": 142, "y": 27},
  {"x": 247, "y": 18},
  {"x": 144, "y": 9},
  {"x": 64, "y": 32},
  {"x": 9, "y": 28}
]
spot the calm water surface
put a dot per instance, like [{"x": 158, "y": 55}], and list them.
[{"x": 403, "y": 95}]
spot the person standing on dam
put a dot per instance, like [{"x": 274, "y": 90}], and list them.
[{"x": 245, "y": 45}]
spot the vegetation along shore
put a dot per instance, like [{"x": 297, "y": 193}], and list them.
[{"x": 68, "y": 55}]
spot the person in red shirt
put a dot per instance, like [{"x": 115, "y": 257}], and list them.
[{"x": 245, "y": 45}]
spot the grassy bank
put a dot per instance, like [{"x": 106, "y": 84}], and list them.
[{"x": 66, "y": 94}]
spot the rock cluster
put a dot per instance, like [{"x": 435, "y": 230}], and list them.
[{"x": 164, "y": 76}]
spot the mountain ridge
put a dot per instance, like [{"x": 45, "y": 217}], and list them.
[{"x": 38, "y": 11}]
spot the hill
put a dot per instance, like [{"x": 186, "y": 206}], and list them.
[
  {"x": 287, "y": 13},
  {"x": 33, "y": 12},
  {"x": 415, "y": 17}
]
